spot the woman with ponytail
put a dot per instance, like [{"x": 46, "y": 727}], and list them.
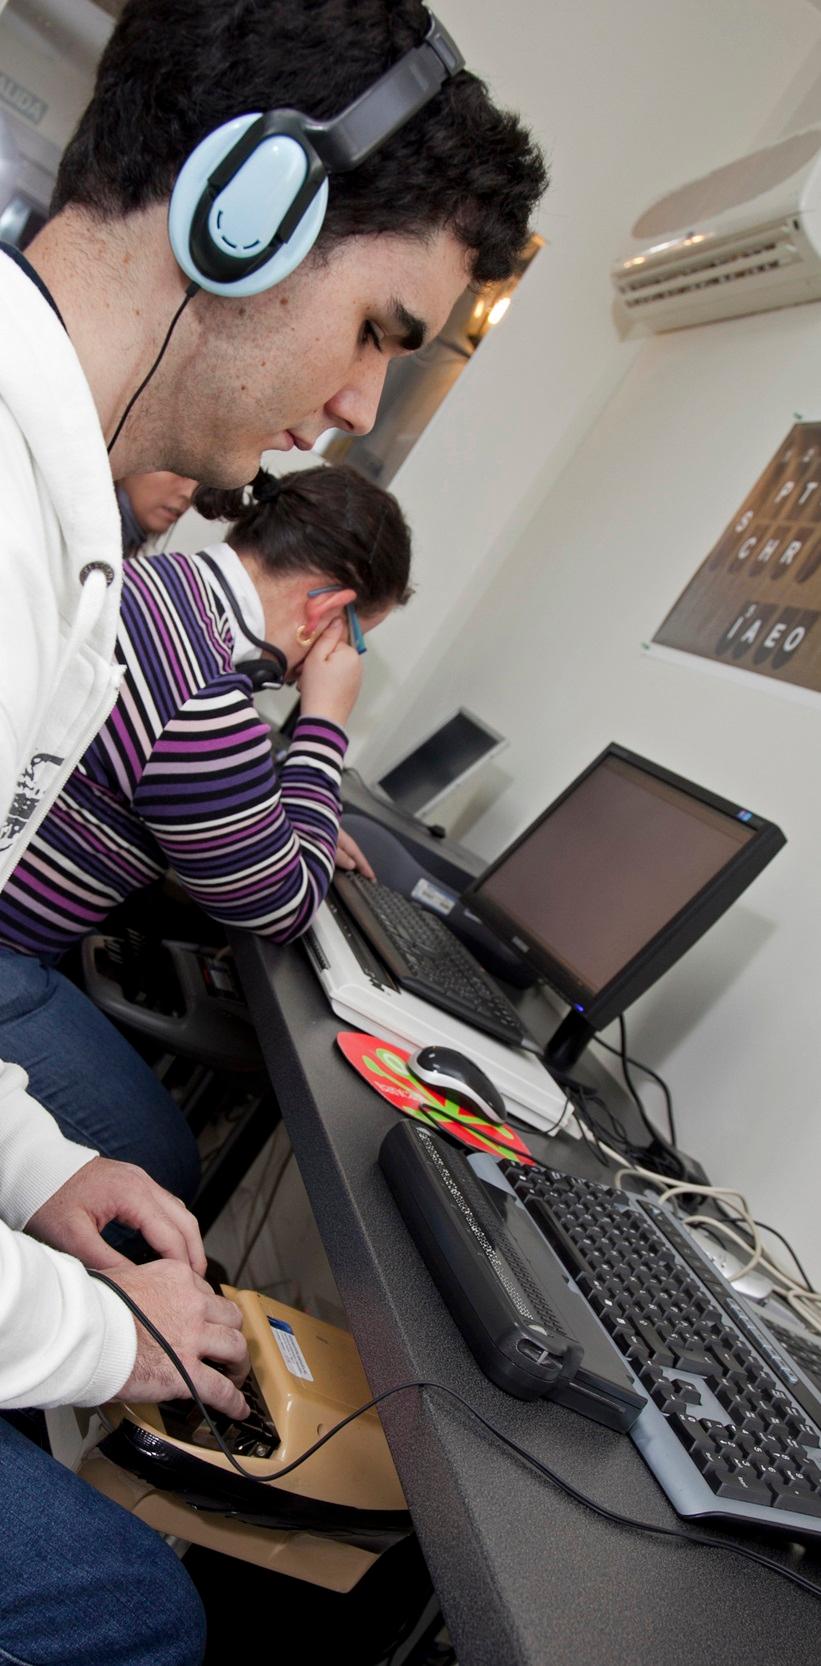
[{"x": 182, "y": 776}]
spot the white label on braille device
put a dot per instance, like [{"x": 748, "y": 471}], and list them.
[
  {"x": 290, "y": 1350},
  {"x": 426, "y": 892}
]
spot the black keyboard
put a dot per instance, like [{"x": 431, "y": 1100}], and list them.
[
  {"x": 425, "y": 958},
  {"x": 801, "y": 1348},
  {"x": 730, "y": 1424}
]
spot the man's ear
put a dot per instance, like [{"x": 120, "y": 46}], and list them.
[{"x": 320, "y": 610}]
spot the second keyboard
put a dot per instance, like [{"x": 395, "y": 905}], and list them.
[{"x": 425, "y": 957}]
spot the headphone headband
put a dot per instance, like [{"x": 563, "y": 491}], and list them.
[
  {"x": 249, "y": 203},
  {"x": 347, "y": 141}
]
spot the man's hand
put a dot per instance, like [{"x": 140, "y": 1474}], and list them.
[
  {"x": 199, "y": 1325},
  {"x": 349, "y": 855},
  {"x": 102, "y": 1191},
  {"x": 331, "y": 676}
]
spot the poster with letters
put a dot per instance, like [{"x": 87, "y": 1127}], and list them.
[{"x": 756, "y": 600}]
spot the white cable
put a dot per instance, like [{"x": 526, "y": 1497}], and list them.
[
  {"x": 802, "y": 1301},
  {"x": 726, "y": 1231},
  {"x": 795, "y": 1294}
]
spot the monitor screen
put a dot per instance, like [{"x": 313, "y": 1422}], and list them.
[
  {"x": 610, "y": 885},
  {"x": 458, "y": 746}
]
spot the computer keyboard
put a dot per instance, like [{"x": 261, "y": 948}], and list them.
[
  {"x": 426, "y": 958},
  {"x": 801, "y": 1349},
  {"x": 731, "y": 1422}
]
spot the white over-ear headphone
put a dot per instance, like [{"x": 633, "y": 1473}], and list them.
[{"x": 249, "y": 202}]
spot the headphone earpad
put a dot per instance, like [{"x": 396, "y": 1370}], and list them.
[
  {"x": 265, "y": 673},
  {"x": 246, "y": 214}
]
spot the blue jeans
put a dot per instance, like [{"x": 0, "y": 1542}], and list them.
[
  {"x": 84, "y": 1583},
  {"x": 99, "y": 1089}
]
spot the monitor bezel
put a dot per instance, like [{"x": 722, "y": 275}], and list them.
[
  {"x": 499, "y": 742},
  {"x": 667, "y": 945}
]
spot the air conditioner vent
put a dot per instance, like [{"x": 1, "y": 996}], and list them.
[
  {"x": 717, "y": 261},
  {"x": 750, "y": 256}
]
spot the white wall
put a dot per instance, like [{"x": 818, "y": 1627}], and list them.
[
  {"x": 735, "y": 1026},
  {"x": 628, "y": 101},
  {"x": 548, "y": 645},
  {"x": 51, "y": 48}
]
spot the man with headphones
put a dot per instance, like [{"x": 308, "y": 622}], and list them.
[{"x": 265, "y": 202}]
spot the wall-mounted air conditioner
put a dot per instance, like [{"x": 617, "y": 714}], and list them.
[{"x": 743, "y": 239}]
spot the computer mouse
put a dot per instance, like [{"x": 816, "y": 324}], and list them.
[{"x": 460, "y": 1079}]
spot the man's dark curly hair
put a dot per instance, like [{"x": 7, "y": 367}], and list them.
[{"x": 175, "y": 69}]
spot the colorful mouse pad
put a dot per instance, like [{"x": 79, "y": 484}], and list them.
[{"x": 385, "y": 1067}]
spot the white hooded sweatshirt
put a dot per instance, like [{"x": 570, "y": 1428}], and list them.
[{"x": 64, "y": 1338}]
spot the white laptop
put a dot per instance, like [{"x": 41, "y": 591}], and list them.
[{"x": 360, "y": 997}]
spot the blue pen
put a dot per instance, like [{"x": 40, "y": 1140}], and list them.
[{"x": 354, "y": 627}]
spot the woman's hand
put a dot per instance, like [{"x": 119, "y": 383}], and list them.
[
  {"x": 351, "y": 857},
  {"x": 331, "y": 676}
]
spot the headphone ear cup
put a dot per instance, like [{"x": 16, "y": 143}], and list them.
[
  {"x": 265, "y": 673},
  {"x": 245, "y": 215}
]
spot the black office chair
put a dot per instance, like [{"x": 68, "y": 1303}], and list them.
[{"x": 178, "y": 1000}]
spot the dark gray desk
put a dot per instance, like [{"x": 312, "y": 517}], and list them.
[{"x": 526, "y": 1576}]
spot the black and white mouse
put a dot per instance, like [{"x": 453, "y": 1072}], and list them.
[{"x": 460, "y": 1079}]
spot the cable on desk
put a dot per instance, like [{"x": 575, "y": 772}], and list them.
[
  {"x": 734, "y": 1220},
  {"x": 615, "y": 1516},
  {"x": 588, "y": 1102},
  {"x": 622, "y": 1054},
  {"x": 788, "y": 1247},
  {"x": 742, "y": 1229},
  {"x": 534, "y": 1128}
]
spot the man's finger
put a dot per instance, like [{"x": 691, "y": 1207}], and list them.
[
  {"x": 228, "y": 1347},
  {"x": 189, "y": 1227},
  {"x": 217, "y": 1391},
  {"x": 220, "y": 1310},
  {"x": 165, "y": 1223},
  {"x": 161, "y": 1234},
  {"x": 173, "y": 1233}
]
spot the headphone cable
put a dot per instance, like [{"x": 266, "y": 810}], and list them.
[
  {"x": 191, "y": 291},
  {"x": 564, "y": 1486}
]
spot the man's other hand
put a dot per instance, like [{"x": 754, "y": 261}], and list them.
[
  {"x": 200, "y": 1326},
  {"x": 74, "y": 1217}
]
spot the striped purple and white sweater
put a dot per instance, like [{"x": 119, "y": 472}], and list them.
[{"x": 181, "y": 775}]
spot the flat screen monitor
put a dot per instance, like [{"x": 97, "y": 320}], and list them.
[
  {"x": 614, "y": 881},
  {"x": 447, "y": 756}
]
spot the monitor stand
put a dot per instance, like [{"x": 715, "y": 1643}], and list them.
[
  {"x": 568, "y": 1042},
  {"x": 563, "y": 1051}
]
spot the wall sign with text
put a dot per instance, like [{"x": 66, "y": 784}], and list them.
[{"x": 756, "y": 600}]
